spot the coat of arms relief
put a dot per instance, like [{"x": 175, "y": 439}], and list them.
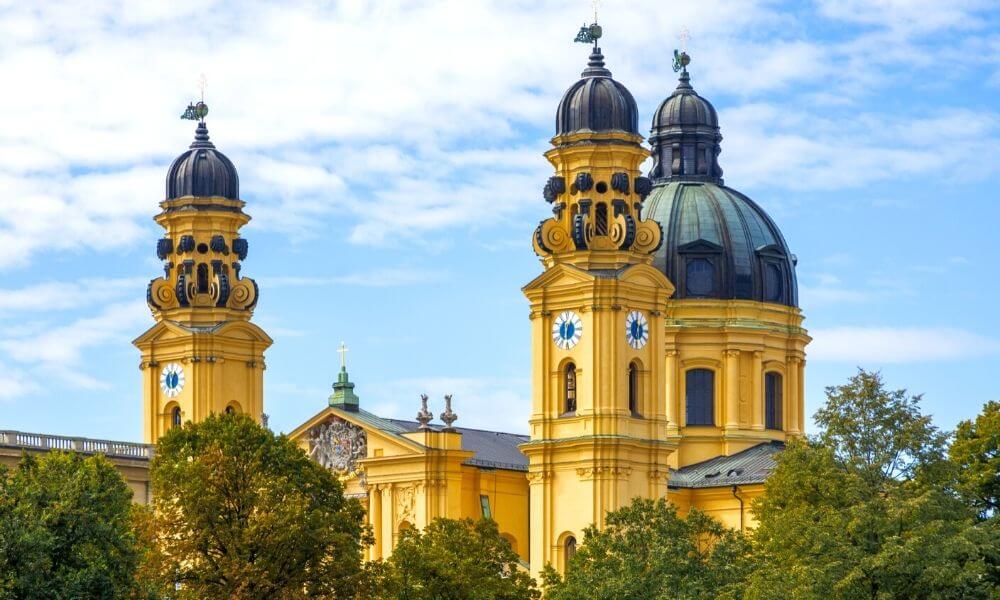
[{"x": 337, "y": 445}]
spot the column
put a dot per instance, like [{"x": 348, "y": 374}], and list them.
[
  {"x": 793, "y": 399},
  {"x": 757, "y": 393},
  {"x": 732, "y": 398},
  {"x": 670, "y": 382},
  {"x": 802, "y": 395},
  {"x": 375, "y": 519},
  {"x": 386, "y": 523}
]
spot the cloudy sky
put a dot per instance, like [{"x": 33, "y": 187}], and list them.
[{"x": 390, "y": 155}]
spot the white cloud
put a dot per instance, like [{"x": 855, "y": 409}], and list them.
[
  {"x": 351, "y": 110},
  {"x": 63, "y": 295},
  {"x": 866, "y": 345}
]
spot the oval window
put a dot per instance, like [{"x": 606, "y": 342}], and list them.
[{"x": 700, "y": 277}]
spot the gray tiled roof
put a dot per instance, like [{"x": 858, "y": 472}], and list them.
[
  {"x": 753, "y": 465},
  {"x": 494, "y": 449}
]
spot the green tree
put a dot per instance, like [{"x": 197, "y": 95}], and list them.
[
  {"x": 976, "y": 454},
  {"x": 646, "y": 550},
  {"x": 865, "y": 510},
  {"x": 241, "y": 513},
  {"x": 65, "y": 529},
  {"x": 453, "y": 560}
]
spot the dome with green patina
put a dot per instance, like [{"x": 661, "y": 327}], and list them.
[{"x": 717, "y": 242}]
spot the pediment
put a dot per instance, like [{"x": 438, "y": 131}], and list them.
[
  {"x": 392, "y": 443},
  {"x": 772, "y": 250},
  {"x": 700, "y": 246},
  {"x": 559, "y": 275},
  {"x": 646, "y": 275}
]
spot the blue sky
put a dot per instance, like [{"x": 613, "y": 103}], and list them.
[{"x": 391, "y": 157}]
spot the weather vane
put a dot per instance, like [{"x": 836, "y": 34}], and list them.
[
  {"x": 590, "y": 33},
  {"x": 681, "y": 58},
  {"x": 196, "y": 111}
]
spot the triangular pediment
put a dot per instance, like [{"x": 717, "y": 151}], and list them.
[
  {"x": 559, "y": 275},
  {"x": 363, "y": 420},
  {"x": 700, "y": 246},
  {"x": 645, "y": 275},
  {"x": 169, "y": 330}
]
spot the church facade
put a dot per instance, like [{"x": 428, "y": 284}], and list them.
[{"x": 668, "y": 351}]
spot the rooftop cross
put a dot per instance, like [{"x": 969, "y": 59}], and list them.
[{"x": 343, "y": 355}]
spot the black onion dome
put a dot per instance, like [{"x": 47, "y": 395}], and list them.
[
  {"x": 720, "y": 244},
  {"x": 202, "y": 171},
  {"x": 597, "y": 103},
  {"x": 685, "y": 137}
]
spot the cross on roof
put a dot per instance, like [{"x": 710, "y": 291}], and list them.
[{"x": 343, "y": 355}]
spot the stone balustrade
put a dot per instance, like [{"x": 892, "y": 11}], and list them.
[{"x": 44, "y": 442}]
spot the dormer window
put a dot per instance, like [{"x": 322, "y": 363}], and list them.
[{"x": 699, "y": 277}]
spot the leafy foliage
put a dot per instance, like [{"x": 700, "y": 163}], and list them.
[
  {"x": 65, "y": 529},
  {"x": 453, "y": 560},
  {"x": 647, "y": 550},
  {"x": 976, "y": 454},
  {"x": 242, "y": 513},
  {"x": 865, "y": 509}
]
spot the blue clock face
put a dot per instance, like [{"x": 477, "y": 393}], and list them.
[
  {"x": 636, "y": 329},
  {"x": 567, "y": 330},
  {"x": 172, "y": 380}
]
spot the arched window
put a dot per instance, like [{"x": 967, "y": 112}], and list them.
[
  {"x": 601, "y": 219},
  {"x": 202, "y": 278},
  {"x": 569, "y": 549},
  {"x": 230, "y": 410},
  {"x": 699, "y": 277},
  {"x": 633, "y": 388},
  {"x": 700, "y": 396},
  {"x": 175, "y": 417},
  {"x": 772, "y": 401},
  {"x": 569, "y": 388}
]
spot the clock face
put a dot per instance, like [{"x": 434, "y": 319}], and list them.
[
  {"x": 172, "y": 379},
  {"x": 567, "y": 329},
  {"x": 636, "y": 329}
]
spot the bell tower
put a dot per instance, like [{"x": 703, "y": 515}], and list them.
[
  {"x": 598, "y": 422},
  {"x": 203, "y": 355}
]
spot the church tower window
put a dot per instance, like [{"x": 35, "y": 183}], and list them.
[
  {"x": 569, "y": 389},
  {"x": 772, "y": 401},
  {"x": 700, "y": 397},
  {"x": 601, "y": 219},
  {"x": 633, "y": 388},
  {"x": 569, "y": 550},
  {"x": 202, "y": 278},
  {"x": 175, "y": 417}
]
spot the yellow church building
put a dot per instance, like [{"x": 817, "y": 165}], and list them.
[{"x": 668, "y": 352}]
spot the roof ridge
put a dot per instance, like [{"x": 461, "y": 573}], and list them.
[{"x": 465, "y": 428}]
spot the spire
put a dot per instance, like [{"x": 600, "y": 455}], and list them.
[
  {"x": 201, "y": 137},
  {"x": 343, "y": 395},
  {"x": 595, "y": 66}
]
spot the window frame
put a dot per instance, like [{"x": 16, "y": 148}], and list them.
[{"x": 708, "y": 402}]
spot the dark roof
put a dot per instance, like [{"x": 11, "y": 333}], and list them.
[
  {"x": 748, "y": 255},
  {"x": 597, "y": 102},
  {"x": 753, "y": 465},
  {"x": 494, "y": 449},
  {"x": 202, "y": 171},
  {"x": 685, "y": 137}
]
